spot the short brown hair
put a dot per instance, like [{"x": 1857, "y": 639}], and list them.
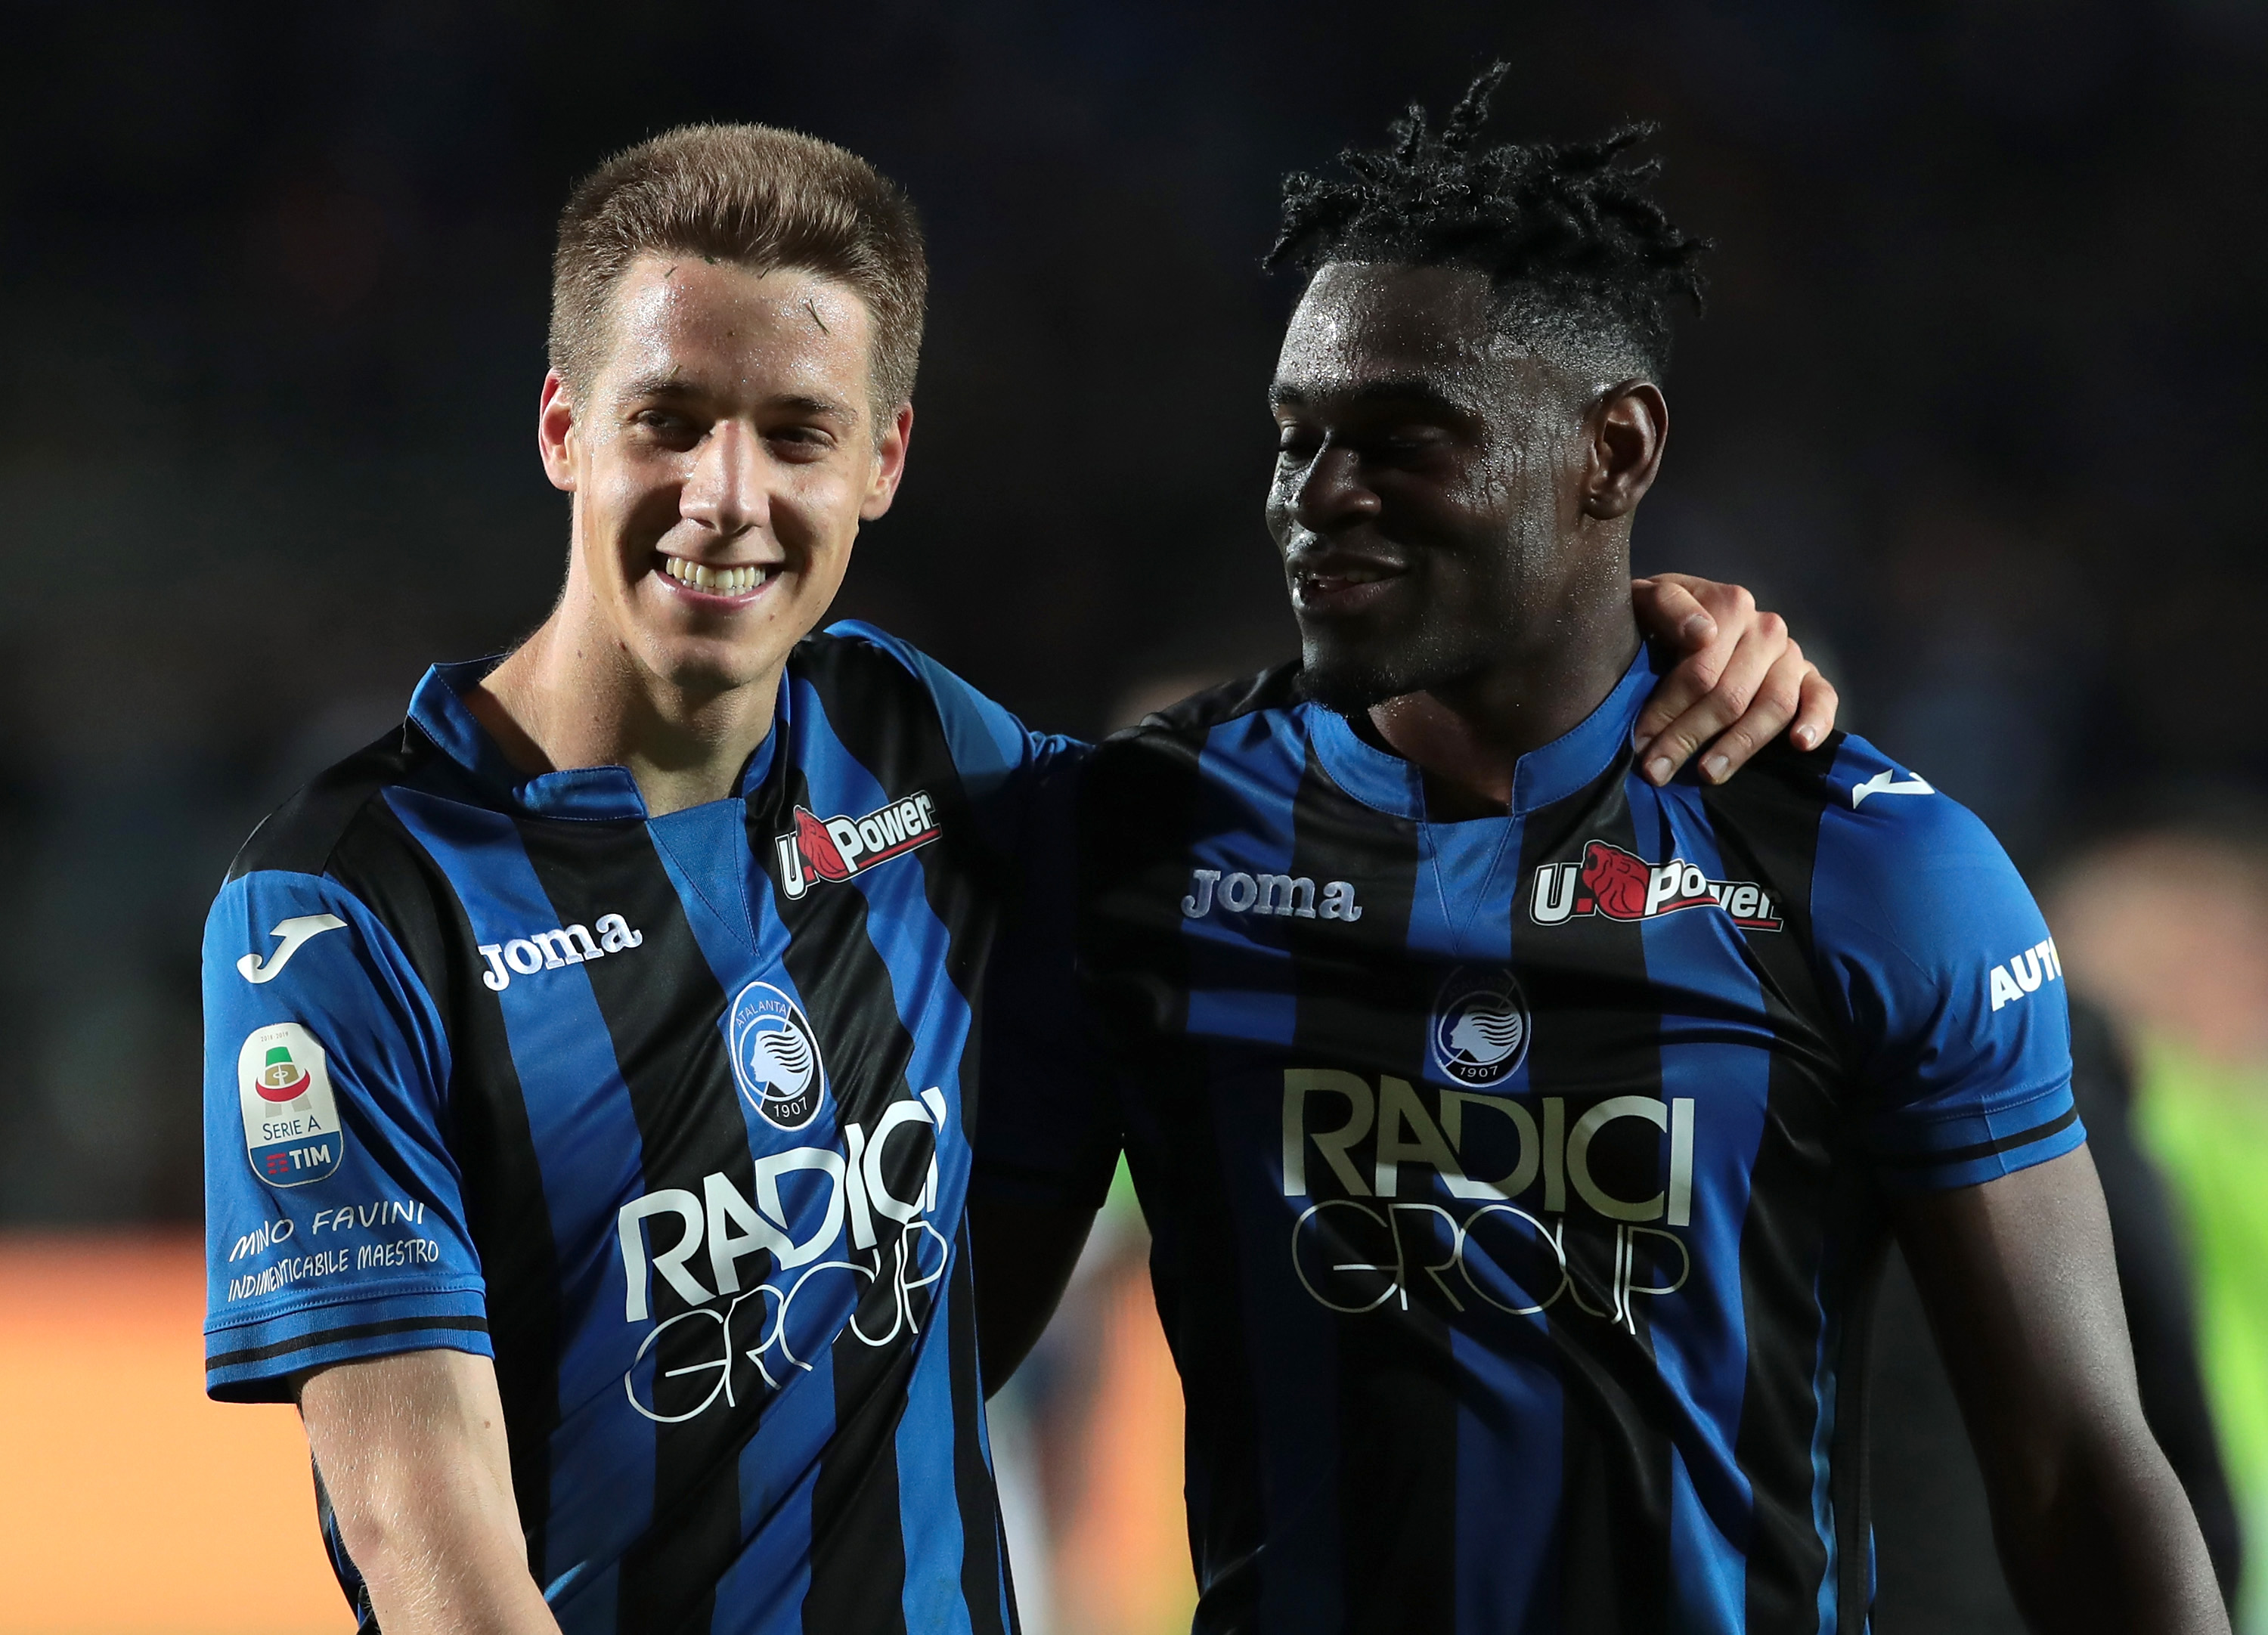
[{"x": 759, "y": 196}]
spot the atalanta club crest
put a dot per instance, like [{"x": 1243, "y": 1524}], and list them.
[
  {"x": 1480, "y": 1027},
  {"x": 291, "y": 1132},
  {"x": 775, "y": 1057}
]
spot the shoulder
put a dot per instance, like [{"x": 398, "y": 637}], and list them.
[
  {"x": 1265, "y": 702},
  {"x": 1902, "y": 864},
  {"x": 1275, "y": 689},
  {"x": 1848, "y": 809},
  {"x": 866, "y": 678},
  {"x": 337, "y": 853},
  {"x": 1886, "y": 829},
  {"x": 304, "y": 835},
  {"x": 851, "y": 651}
]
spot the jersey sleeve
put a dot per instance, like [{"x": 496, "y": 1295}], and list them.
[
  {"x": 1050, "y": 1132},
  {"x": 1948, "y": 979},
  {"x": 335, "y": 1227}
]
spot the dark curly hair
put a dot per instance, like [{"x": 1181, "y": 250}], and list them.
[{"x": 1584, "y": 263}]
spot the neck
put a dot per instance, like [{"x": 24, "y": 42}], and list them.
[
  {"x": 574, "y": 698},
  {"x": 1466, "y": 737}
]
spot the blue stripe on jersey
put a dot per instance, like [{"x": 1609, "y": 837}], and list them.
[
  {"x": 1715, "y": 1055},
  {"x": 763, "y": 1590},
  {"x": 932, "y": 1601},
  {"x": 583, "y": 1149},
  {"x": 1824, "y": 1381}
]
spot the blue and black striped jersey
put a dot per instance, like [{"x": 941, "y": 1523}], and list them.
[
  {"x": 1517, "y": 1185},
  {"x": 669, "y": 1115}
]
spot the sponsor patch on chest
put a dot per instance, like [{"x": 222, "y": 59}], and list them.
[
  {"x": 835, "y": 848},
  {"x": 1620, "y": 885}
]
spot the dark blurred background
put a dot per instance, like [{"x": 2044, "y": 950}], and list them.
[{"x": 1977, "y": 400}]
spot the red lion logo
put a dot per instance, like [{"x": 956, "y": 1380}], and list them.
[
  {"x": 820, "y": 854},
  {"x": 1616, "y": 880}
]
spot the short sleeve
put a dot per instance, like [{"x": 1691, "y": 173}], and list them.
[
  {"x": 1948, "y": 980},
  {"x": 335, "y": 1226}
]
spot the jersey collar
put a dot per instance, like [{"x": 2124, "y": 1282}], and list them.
[
  {"x": 437, "y": 709},
  {"x": 1381, "y": 780}
]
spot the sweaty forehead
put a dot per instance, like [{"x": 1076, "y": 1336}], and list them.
[
  {"x": 1363, "y": 321},
  {"x": 688, "y": 314}
]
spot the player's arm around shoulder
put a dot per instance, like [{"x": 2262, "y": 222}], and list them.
[
  {"x": 339, "y": 1270},
  {"x": 1952, "y": 992}
]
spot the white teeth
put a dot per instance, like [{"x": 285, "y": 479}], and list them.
[{"x": 724, "y": 581}]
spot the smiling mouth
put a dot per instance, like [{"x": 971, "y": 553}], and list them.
[{"x": 742, "y": 583}]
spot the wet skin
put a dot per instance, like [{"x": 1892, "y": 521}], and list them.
[{"x": 1453, "y": 514}]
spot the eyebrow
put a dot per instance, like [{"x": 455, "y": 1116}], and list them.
[
  {"x": 1411, "y": 389},
  {"x": 675, "y": 388}
]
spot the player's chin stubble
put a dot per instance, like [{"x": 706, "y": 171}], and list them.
[{"x": 1350, "y": 677}]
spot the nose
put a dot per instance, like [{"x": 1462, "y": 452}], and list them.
[
  {"x": 726, "y": 492},
  {"x": 1329, "y": 493}
]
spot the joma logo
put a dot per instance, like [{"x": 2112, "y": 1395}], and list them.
[
  {"x": 551, "y": 950},
  {"x": 1286, "y": 894}
]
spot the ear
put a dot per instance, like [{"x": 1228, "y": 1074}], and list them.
[
  {"x": 889, "y": 463},
  {"x": 554, "y": 428},
  {"x": 1629, "y": 429}
]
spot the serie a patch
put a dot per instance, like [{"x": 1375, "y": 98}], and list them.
[{"x": 291, "y": 1132}]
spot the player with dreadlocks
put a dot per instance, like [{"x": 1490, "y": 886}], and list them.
[{"x": 1520, "y": 1132}]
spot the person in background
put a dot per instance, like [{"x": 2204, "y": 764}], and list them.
[{"x": 2168, "y": 927}]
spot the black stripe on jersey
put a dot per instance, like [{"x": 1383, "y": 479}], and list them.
[
  {"x": 1363, "y": 1002},
  {"x": 985, "y": 1584},
  {"x": 352, "y": 1331},
  {"x": 1801, "y": 1192},
  {"x": 858, "y": 1535},
  {"x": 671, "y": 1052},
  {"x": 1982, "y": 1149},
  {"x": 298, "y": 835},
  {"x": 505, "y": 1214},
  {"x": 1140, "y": 801},
  {"x": 1588, "y": 994}
]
